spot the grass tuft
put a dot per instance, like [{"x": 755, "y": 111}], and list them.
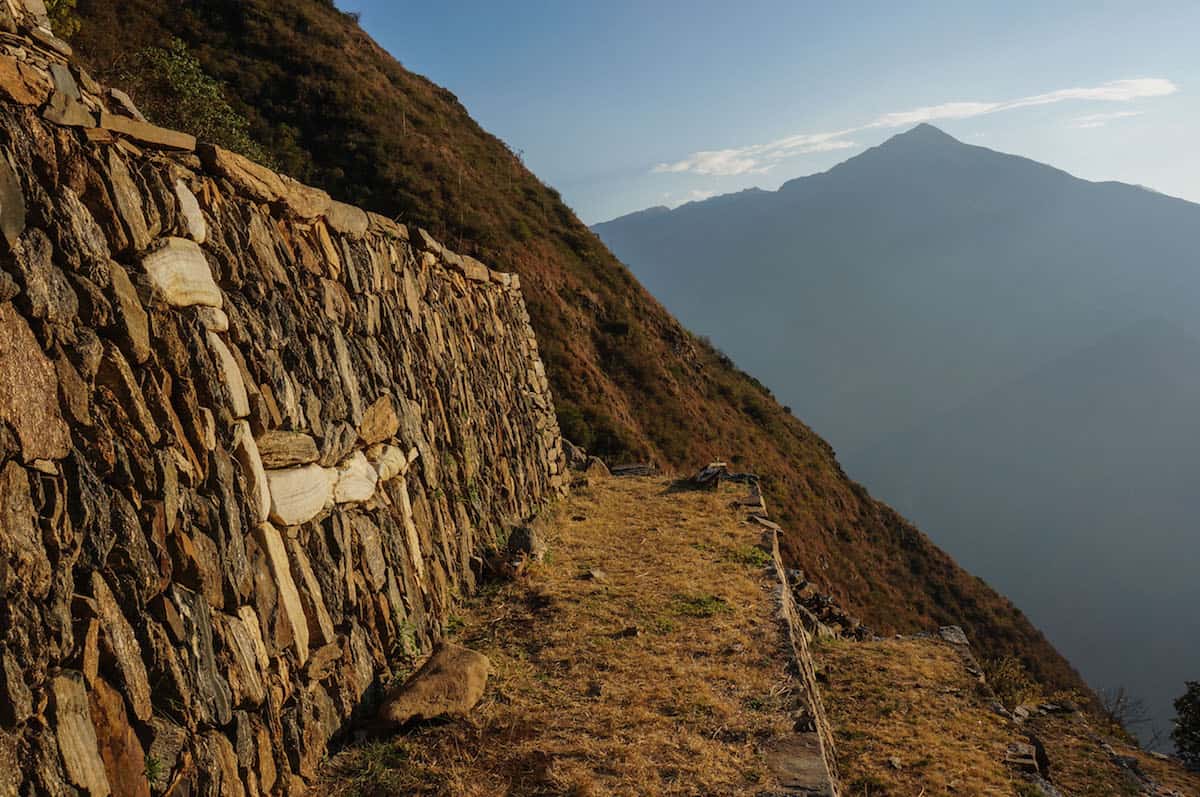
[{"x": 698, "y": 605}]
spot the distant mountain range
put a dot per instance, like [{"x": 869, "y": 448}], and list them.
[{"x": 1004, "y": 352}]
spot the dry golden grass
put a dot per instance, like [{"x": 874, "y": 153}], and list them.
[
  {"x": 666, "y": 676},
  {"x": 1078, "y": 761},
  {"x": 1168, "y": 773},
  {"x": 911, "y": 700}
]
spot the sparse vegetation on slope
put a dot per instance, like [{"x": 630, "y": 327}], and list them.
[
  {"x": 333, "y": 109},
  {"x": 176, "y": 92},
  {"x": 910, "y": 719}
]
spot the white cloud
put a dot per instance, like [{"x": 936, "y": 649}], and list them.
[
  {"x": 760, "y": 158},
  {"x": 723, "y": 161},
  {"x": 933, "y": 113},
  {"x": 756, "y": 159},
  {"x": 1101, "y": 119}
]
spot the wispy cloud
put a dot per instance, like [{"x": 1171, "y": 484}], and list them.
[
  {"x": 1101, "y": 119},
  {"x": 760, "y": 158}
]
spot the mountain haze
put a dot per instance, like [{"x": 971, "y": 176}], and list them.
[
  {"x": 1081, "y": 476},
  {"x": 331, "y": 107},
  {"x": 1003, "y": 351},
  {"x": 913, "y": 276}
]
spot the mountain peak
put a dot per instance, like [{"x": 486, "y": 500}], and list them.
[{"x": 925, "y": 134}]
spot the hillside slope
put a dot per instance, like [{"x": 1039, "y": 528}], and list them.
[{"x": 336, "y": 110}]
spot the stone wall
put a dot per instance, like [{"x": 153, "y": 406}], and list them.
[
  {"x": 252, "y": 443},
  {"x": 806, "y": 669},
  {"x": 29, "y": 18}
]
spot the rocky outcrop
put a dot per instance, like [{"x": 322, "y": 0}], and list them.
[{"x": 251, "y": 442}]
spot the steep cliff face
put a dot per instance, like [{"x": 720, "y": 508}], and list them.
[{"x": 252, "y": 442}]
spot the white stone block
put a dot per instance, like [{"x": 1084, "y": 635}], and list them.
[
  {"x": 389, "y": 461},
  {"x": 356, "y": 479},
  {"x": 300, "y": 494},
  {"x": 240, "y": 402},
  {"x": 246, "y": 452},
  {"x": 213, "y": 318},
  {"x": 181, "y": 275},
  {"x": 189, "y": 208}
]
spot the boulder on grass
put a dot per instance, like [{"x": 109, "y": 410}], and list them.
[
  {"x": 450, "y": 683},
  {"x": 525, "y": 543},
  {"x": 576, "y": 456}
]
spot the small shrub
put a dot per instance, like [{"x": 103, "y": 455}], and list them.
[
  {"x": 1186, "y": 733},
  {"x": 1123, "y": 709},
  {"x": 574, "y": 426},
  {"x": 405, "y": 643},
  {"x": 173, "y": 90},
  {"x": 154, "y": 770},
  {"x": 375, "y": 766},
  {"x": 63, "y": 18},
  {"x": 662, "y": 625},
  {"x": 868, "y": 785},
  {"x": 1011, "y": 682},
  {"x": 520, "y": 229}
]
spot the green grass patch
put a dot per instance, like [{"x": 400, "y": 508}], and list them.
[
  {"x": 698, "y": 605},
  {"x": 750, "y": 555}
]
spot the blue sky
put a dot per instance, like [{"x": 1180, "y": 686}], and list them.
[{"x": 623, "y": 105}]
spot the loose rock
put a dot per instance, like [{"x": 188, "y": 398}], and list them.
[
  {"x": 450, "y": 683},
  {"x": 379, "y": 421},
  {"x": 293, "y": 611},
  {"x": 235, "y": 386},
  {"x": 145, "y": 133},
  {"x": 77, "y": 735},
  {"x": 248, "y": 457},
  {"x": 197, "y": 227}
]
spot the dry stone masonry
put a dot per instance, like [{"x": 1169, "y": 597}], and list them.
[{"x": 252, "y": 443}]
